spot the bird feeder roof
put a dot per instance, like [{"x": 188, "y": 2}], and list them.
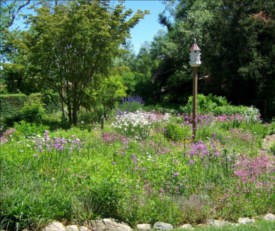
[{"x": 195, "y": 47}]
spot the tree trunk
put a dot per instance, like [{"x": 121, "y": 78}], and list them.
[
  {"x": 70, "y": 113},
  {"x": 75, "y": 116}
]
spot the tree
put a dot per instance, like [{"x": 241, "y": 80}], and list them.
[
  {"x": 10, "y": 10},
  {"x": 73, "y": 48}
]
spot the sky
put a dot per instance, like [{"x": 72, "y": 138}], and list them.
[{"x": 145, "y": 30}]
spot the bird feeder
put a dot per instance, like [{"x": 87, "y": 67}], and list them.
[
  {"x": 195, "y": 61},
  {"x": 195, "y": 55}
]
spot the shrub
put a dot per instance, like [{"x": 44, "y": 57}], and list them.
[
  {"x": 31, "y": 112},
  {"x": 178, "y": 132},
  {"x": 139, "y": 122},
  {"x": 205, "y": 104},
  {"x": 250, "y": 113},
  {"x": 52, "y": 101},
  {"x": 28, "y": 129},
  {"x": 131, "y": 104}
]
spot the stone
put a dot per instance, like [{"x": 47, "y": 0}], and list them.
[
  {"x": 269, "y": 217},
  {"x": 83, "y": 228},
  {"x": 55, "y": 226},
  {"x": 162, "y": 226},
  {"x": 186, "y": 226},
  {"x": 217, "y": 223},
  {"x": 245, "y": 220},
  {"x": 71, "y": 228},
  {"x": 108, "y": 225},
  {"x": 144, "y": 227}
]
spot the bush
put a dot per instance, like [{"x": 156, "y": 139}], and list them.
[
  {"x": 131, "y": 104},
  {"x": 28, "y": 129},
  {"x": 205, "y": 104},
  {"x": 177, "y": 132},
  {"x": 250, "y": 114},
  {"x": 52, "y": 101},
  {"x": 10, "y": 104},
  {"x": 31, "y": 112}
]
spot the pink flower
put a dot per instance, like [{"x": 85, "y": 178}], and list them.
[{"x": 176, "y": 174}]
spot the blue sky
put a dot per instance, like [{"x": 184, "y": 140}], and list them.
[{"x": 145, "y": 30}]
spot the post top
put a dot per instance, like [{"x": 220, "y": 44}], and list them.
[{"x": 195, "y": 46}]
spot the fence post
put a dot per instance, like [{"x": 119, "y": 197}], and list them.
[{"x": 102, "y": 122}]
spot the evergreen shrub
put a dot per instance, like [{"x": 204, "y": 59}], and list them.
[{"x": 31, "y": 112}]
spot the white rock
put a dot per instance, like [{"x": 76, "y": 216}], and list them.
[
  {"x": 71, "y": 228},
  {"x": 54, "y": 226},
  {"x": 113, "y": 225},
  {"x": 107, "y": 225},
  {"x": 269, "y": 217},
  {"x": 144, "y": 227},
  {"x": 162, "y": 226},
  {"x": 83, "y": 228},
  {"x": 245, "y": 220},
  {"x": 217, "y": 223},
  {"x": 186, "y": 226}
]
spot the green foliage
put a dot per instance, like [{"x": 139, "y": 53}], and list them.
[
  {"x": 130, "y": 104},
  {"x": 177, "y": 132},
  {"x": 52, "y": 101},
  {"x": 249, "y": 113},
  {"x": 10, "y": 104},
  {"x": 111, "y": 90},
  {"x": 98, "y": 30},
  {"x": 31, "y": 112},
  {"x": 272, "y": 148},
  {"x": 164, "y": 108},
  {"x": 205, "y": 104},
  {"x": 128, "y": 80},
  {"x": 134, "y": 180},
  {"x": 102, "y": 200},
  {"x": 29, "y": 129}
]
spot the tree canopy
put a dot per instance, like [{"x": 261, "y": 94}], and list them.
[{"x": 71, "y": 49}]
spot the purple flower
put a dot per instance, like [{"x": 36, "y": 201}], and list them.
[
  {"x": 214, "y": 135},
  {"x": 35, "y": 155},
  {"x": 176, "y": 174},
  {"x": 113, "y": 163}
]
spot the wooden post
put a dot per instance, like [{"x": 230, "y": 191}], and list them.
[
  {"x": 102, "y": 122},
  {"x": 195, "y": 92}
]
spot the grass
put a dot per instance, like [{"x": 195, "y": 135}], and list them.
[
  {"x": 257, "y": 226},
  {"x": 78, "y": 174}
]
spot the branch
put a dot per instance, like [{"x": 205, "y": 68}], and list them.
[
  {"x": 176, "y": 87},
  {"x": 14, "y": 15}
]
